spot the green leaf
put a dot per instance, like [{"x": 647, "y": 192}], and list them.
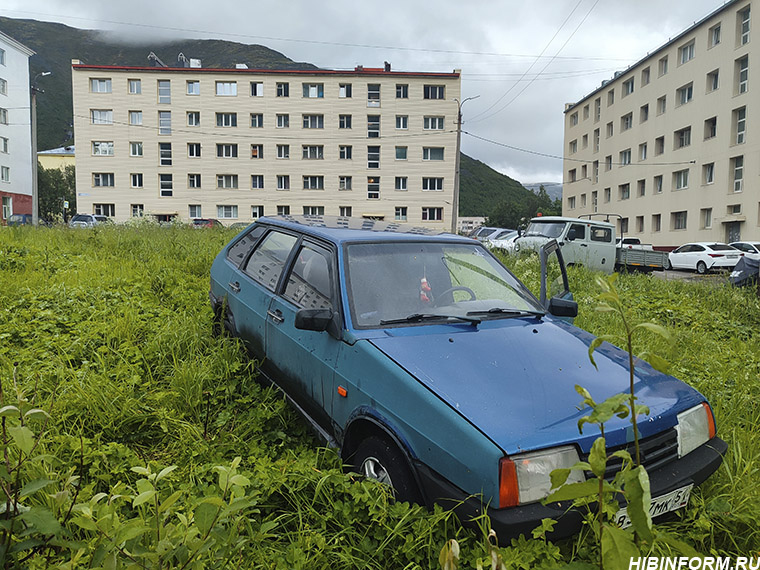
[
  {"x": 267, "y": 526},
  {"x": 35, "y": 412},
  {"x": 143, "y": 497},
  {"x": 34, "y": 486},
  {"x": 592, "y": 347},
  {"x": 597, "y": 458},
  {"x": 23, "y": 437},
  {"x": 678, "y": 545},
  {"x": 205, "y": 515},
  {"x": 86, "y": 523},
  {"x": 657, "y": 362},
  {"x": 657, "y": 329},
  {"x": 169, "y": 501},
  {"x": 636, "y": 487},
  {"x": 449, "y": 556},
  {"x": 42, "y": 520},
  {"x": 165, "y": 471},
  {"x": 559, "y": 477},
  {"x": 240, "y": 480},
  {"x": 9, "y": 411},
  {"x": 140, "y": 470},
  {"x": 574, "y": 491},
  {"x": 618, "y": 547},
  {"x": 130, "y": 530}
]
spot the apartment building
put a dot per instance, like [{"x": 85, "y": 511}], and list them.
[
  {"x": 236, "y": 144},
  {"x": 668, "y": 145},
  {"x": 16, "y": 157}
]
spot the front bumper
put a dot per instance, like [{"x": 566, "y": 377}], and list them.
[{"x": 511, "y": 522}]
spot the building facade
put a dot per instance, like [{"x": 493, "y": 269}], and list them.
[
  {"x": 16, "y": 156},
  {"x": 235, "y": 144},
  {"x": 668, "y": 144}
]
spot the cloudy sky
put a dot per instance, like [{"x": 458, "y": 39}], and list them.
[{"x": 522, "y": 60}]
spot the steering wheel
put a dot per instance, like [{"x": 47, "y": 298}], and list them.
[{"x": 469, "y": 291}]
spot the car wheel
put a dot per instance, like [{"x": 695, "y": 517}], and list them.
[
  {"x": 668, "y": 265},
  {"x": 701, "y": 267},
  {"x": 223, "y": 323},
  {"x": 378, "y": 458}
]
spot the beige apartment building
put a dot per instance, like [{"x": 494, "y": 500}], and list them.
[
  {"x": 668, "y": 145},
  {"x": 235, "y": 144}
]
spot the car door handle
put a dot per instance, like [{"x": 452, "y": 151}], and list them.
[
  {"x": 584, "y": 245},
  {"x": 276, "y": 316},
  {"x": 234, "y": 286}
]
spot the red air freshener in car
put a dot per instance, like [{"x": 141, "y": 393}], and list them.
[{"x": 424, "y": 290}]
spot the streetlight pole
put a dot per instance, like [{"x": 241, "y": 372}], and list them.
[
  {"x": 455, "y": 201},
  {"x": 35, "y": 190}
]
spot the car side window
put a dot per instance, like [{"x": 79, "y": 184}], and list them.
[
  {"x": 238, "y": 252},
  {"x": 580, "y": 231},
  {"x": 601, "y": 234},
  {"x": 268, "y": 259},
  {"x": 310, "y": 281}
]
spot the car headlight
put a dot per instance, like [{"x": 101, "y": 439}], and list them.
[
  {"x": 525, "y": 478},
  {"x": 695, "y": 427}
]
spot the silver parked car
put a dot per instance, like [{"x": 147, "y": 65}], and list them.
[{"x": 88, "y": 220}]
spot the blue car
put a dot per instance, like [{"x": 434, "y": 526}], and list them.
[{"x": 433, "y": 369}]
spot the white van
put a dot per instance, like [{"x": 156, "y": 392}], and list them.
[{"x": 584, "y": 242}]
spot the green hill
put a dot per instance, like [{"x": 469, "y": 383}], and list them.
[{"x": 481, "y": 188}]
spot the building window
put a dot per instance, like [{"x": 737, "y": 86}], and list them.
[
  {"x": 165, "y": 154},
  {"x": 283, "y": 121},
  {"x": 4, "y": 145},
  {"x": 373, "y": 95},
  {"x": 313, "y": 121},
  {"x": 313, "y": 210},
  {"x": 658, "y": 184},
  {"x": 345, "y": 152},
  {"x": 625, "y": 157},
  {"x": 373, "y": 157},
  {"x": 626, "y": 122},
  {"x": 624, "y": 191},
  {"x": 98, "y": 116},
  {"x": 681, "y": 179},
  {"x": 585, "y": 141},
  {"x": 257, "y": 89},
  {"x": 610, "y": 129},
  {"x": 5, "y": 174},
  {"x": 432, "y": 214},
  {"x": 595, "y": 169},
  {"x": 586, "y": 112},
  {"x": 662, "y": 66},
  {"x": 257, "y": 151},
  {"x": 656, "y": 222},
  {"x": 705, "y": 215},
  {"x": 686, "y": 52},
  {"x": 597, "y": 109},
  {"x": 104, "y": 179},
  {"x": 571, "y": 203},
  {"x": 193, "y": 180},
  {"x": 164, "y": 122},
  {"x": 283, "y": 182},
  {"x": 226, "y": 151},
  {"x": 193, "y": 87},
  {"x": 685, "y": 94},
  {"x": 344, "y": 182},
  {"x": 226, "y": 180},
  {"x": 164, "y": 91},
  {"x": 283, "y": 210},
  {"x": 596, "y": 140},
  {"x": 138, "y": 210},
  {"x": 257, "y": 181},
  {"x": 574, "y": 119},
  {"x": 434, "y": 184},
  {"x": 642, "y": 186},
  {"x": 643, "y": 151},
  {"x": 662, "y": 104},
  {"x": 434, "y": 92},
  {"x": 136, "y": 180},
  {"x": 402, "y": 91},
  {"x": 610, "y": 100},
  {"x": 712, "y": 80},
  {"x": 623, "y": 226},
  {"x": 344, "y": 90},
  {"x": 104, "y": 210},
  {"x": 432, "y": 153},
  {"x": 134, "y": 86},
  {"x": 226, "y": 119},
  {"x": 165, "y": 185},
  {"x": 659, "y": 146},
  {"x": 314, "y": 90},
  {"x": 608, "y": 162},
  {"x": 682, "y": 137},
  {"x": 708, "y": 173},
  {"x": 583, "y": 200},
  {"x": 283, "y": 151},
  {"x": 257, "y": 120},
  {"x": 679, "y": 220},
  {"x": 607, "y": 195},
  {"x": 345, "y": 211},
  {"x": 742, "y": 74},
  {"x": 313, "y": 182},
  {"x": 401, "y": 152},
  {"x": 226, "y": 88},
  {"x": 373, "y": 188},
  {"x": 313, "y": 152},
  {"x": 740, "y": 124},
  {"x": 194, "y": 211},
  {"x": 628, "y": 87},
  {"x": 737, "y": 166},
  {"x": 400, "y": 214},
  {"x": 135, "y": 148},
  {"x": 102, "y": 148},
  {"x": 344, "y": 121},
  {"x": 257, "y": 211},
  {"x": 432, "y": 123},
  {"x": 135, "y": 117},
  {"x": 711, "y": 127},
  {"x": 645, "y": 76},
  {"x": 224, "y": 211},
  {"x": 743, "y": 21},
  {"x": 194, "y": 150},
  {"x": 283, "y": 90},
  {"x": 644, "y": 113},
  {"x": 401, "y": 183},
  {"x": 100, "y": 85},
  {"x": 193, "y": 119},
  {"x": 713, "y": 36}
]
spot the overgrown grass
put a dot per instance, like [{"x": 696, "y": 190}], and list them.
[{"x": 110, "y": 329}]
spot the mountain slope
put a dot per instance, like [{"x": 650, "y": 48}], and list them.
[{"x": 482, "y": 189}]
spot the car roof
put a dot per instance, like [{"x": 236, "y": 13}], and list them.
[
  {"x": 545, "y": 219},
  {"x": 341, "y": 229}
]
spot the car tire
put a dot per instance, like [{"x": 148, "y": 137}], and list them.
[
  {"x": 701, "y": 267},
  {"x": 380, "y": 459},
  {"x": 668, "y": 265}
]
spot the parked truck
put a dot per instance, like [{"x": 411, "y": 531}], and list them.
[{"x": 590, "y": 243}]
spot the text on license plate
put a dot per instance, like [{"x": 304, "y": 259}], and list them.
[{"x": 660, "y": 505}]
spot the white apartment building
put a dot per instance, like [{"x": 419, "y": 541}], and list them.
[
  {"x": 236, "y": 144},
  {"x": 16, "y": 156},
  {"x": 668, "y": 145}
]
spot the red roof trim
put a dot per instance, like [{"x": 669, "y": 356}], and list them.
[{"x": 365, "y": 71}]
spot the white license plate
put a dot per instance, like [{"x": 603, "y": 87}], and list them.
[{"x": 660, "y": 505}]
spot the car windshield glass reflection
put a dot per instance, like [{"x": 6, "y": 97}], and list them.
[
  {"x": 545, "y": 229},
  {"x": 388, "y": 283}
]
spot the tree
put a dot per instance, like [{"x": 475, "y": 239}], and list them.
[{"x": 55, "y": 186}]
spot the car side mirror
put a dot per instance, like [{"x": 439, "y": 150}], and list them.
[
  {"x": 318, "y": 320},
  {"x": 563, "y": 307},
  {"x": 570, "y": 235}
]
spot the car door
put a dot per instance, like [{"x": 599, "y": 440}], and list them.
[
  {"x": 251, "y": 292},
  {"x": 679, "y": 258},
  {"x": 304, "y": 361}
]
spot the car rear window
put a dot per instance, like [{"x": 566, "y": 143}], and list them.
[
  {"x": 720, "y": 247},
  {"x": 268, "y": 259}
]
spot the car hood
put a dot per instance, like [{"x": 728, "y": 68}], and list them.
[{"x": 514, "y": 379}]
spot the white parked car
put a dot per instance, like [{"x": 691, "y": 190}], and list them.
[
  {"x": 703, "y": 257},
  {"x": 502, "y": 240},
  {"x": 751, "y": 249}
]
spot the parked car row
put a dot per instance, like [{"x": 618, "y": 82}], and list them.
[{"x": 703, "y": 257}]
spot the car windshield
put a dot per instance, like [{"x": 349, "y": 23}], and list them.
[
  {"x": 545, "y": 229},
  {"x": 81, "y": 218},
  {"x": 721, "y": 247},
  {"x": 428, "y": 282}
]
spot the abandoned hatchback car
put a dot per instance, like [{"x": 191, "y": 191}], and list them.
[{"x": 433, "y": 369}]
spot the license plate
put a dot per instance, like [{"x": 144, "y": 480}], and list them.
[{"x": 660, "y": 505}]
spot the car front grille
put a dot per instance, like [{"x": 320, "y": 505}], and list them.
[{"x": 656, "y": 451}]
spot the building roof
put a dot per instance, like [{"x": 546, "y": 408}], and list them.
[{"x": 16, "y": 44}]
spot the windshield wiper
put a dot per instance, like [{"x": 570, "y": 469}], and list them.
[
  {"x": 508, "y": 313},
  {"x": 418, "y": 317}
]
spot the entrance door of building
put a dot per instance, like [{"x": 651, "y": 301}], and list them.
[{"x": 733, "y": 231}]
